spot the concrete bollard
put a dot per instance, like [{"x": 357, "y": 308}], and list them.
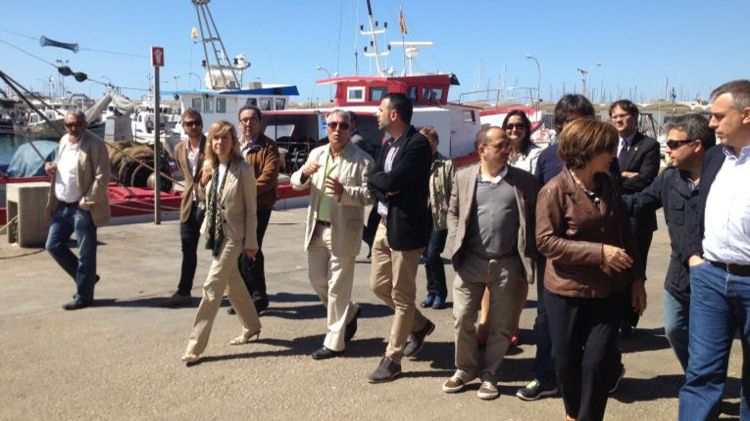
[{"x": 28, "y": 201}]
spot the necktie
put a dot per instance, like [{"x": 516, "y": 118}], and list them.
[{"x": 623, "y": 152}]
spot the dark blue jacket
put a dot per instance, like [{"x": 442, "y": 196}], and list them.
[
  {"x": 671, "y": 190},
  {"x": 549, "y": 165},
  {"x": 711, "y": 165}
]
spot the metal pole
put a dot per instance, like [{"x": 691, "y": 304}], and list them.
[{"x": 157, "y": 147}]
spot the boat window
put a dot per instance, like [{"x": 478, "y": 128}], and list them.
[
  {"x": 265, "y": 104},
  {"x": 411, "y": 92},
  {"x": 469, "y": 116},
  {"x": 221, "y": 105},
  {"x": 280, "y": 103},
  {"x": 252, "y": 101},
  {"x": 432, "y": 94},
  {"x": 208, "y": 105},
  {"x": 197, "y": 103},
  {"x": 355, "y": 94},
  {"x": 378, "y": 93}
]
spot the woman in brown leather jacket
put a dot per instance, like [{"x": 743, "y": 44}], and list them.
[{"x": 582, "y": 230}]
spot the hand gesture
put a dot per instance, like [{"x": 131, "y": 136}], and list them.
[
  {"x": 50, "y": 168},
  {"x": 335, "y": 186},
  {"x": 615, "y": 259},
  {"x": 206, "y": 174},
  {"x": 251, "y": 253},
  {"x": 310, "y": 169}
]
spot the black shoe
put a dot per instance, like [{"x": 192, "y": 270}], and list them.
[
  {"x": 536, "y": 390},
  {"x": 261, "y": 305},
  {"x": 387, "y": 371},
  {"x": 76, "y": 304},
  {"x": 439, "y": 302},
  {"x": 324, "y": 353},
  {"x": 177, "y": 300},
  {"x": 417, "y": 339},
  {"x": 231, "y": 311},
  {"x": 428, "y": 301},
  {"x": 351, "y": 327}
]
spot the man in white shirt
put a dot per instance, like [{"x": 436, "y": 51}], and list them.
[
  {"x": 719, "y": 259},
  {"x": 78, "y": 203}
]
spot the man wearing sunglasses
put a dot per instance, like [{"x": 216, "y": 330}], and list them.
[
  {"x": 336, "y": 174},
  {"x": 78, "y": 202},
  {"x": 676, "y": 190},
  {"x": 189, "y": 159},
  {"x": 262, "y": 153}
]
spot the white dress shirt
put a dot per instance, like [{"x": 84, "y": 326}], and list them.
[
  {"x": 66, "y": 176},
  {"x": 726, "y": 238}
]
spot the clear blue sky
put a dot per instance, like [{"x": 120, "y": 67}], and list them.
[{"x": 693, "y": 44}]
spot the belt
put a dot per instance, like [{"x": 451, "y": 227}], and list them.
[
  {"x": 323, "y": 223},
  {"x": 69, "y": 204},
  {"x": 733, "y": 268}
]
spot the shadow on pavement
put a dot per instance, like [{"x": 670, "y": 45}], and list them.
[{"x": 645, "y": 340}]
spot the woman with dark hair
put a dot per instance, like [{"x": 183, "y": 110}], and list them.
[
  {"x": 582, "y": 229},
  {"x": 230, "y": 229},
  {"x": 524, "y": 152}
]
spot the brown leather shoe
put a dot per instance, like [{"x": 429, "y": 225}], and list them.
[{"x": 387, "y": 371}]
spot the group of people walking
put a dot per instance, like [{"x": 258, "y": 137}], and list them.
[{"x": 576, "y": 218}]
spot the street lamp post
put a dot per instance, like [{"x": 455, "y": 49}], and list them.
[
  {"x": 330, "y": 92},
  {"x": 538, "y": 77},
  {"x": 200, "y": 83},
  {"x": 586, "y": 77}
]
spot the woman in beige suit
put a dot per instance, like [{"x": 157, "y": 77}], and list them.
[{"x": 230, "y": 229}]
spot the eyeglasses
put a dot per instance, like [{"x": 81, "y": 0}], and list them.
[
  {"x": 336, "y": 125},
  {"x": 71, "y": 125},
  {"x": 249, "y": 120},
  {"x": 192, "y": 123},
  {"x": 517, "y": 126},
  {"x": 674, "y": 144}
]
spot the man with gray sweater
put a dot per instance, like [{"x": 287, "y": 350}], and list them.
[{"x": 491, "y": 231}]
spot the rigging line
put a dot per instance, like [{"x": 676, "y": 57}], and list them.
[
  {"x": 19, "y": 34},
  {"x": 338, "y": 41},
  {"x": 28, "y": 53}
]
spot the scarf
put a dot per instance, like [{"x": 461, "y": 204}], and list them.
[{"x": 215, "y": 228}]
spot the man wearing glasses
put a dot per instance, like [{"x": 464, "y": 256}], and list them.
[
  {"x": 262, "y": 153},
  {"x": 336, "y": 175},
  {"x": 189, "y": 159},
  {"x": 78, "y": 203},
  {"x": 676, "y": 191},
  {"x": 638, "y": 158}
]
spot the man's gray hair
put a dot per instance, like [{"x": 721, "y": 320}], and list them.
[
  {"x": 695, "y": 127},
  {"x": 740, "y": 91},
  {"x": 79, "y": 115},
  {"x": 341, "y": 113}
]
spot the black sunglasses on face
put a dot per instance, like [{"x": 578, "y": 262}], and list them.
[
  {"x": 518, "y": 126},
  {"x": 192, "y": 123},
  {"x": 71, "y": 125},
  {"x": 674, "y": 144},
  {"x": 334, "y": 125}
]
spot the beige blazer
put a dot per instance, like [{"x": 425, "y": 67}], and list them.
[
  {"x": 347, "y": 210},
  {"x": 93, "y": 178},
  {"x": 461, "y": 204},
  {"x": 180, "y": 155},
  {"x": 237, "y": 204}
]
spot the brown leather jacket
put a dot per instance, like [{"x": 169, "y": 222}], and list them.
[
  {"x": 570, "y": 232},
  {"x": 264, "y": 157}
]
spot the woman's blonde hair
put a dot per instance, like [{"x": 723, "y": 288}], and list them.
[
  {"x": 219, "y": 129},
  {"x": 584, "y": 138}
]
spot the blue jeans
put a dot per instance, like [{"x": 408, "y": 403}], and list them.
[
  {"x": 676, "y": 319},
  {"x": 544, "y": 365},
  {"x": 719, "y": 305},
  {"x": 69, "y": 218}
]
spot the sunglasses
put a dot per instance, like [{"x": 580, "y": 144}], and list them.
[
  {"x": 71, "y": 125},
  {"x": 249, "y": 120},
  {"x": 674, "y": 144},
  {"x": 517, "y": 126},
  {"x": 336, "y": 125},
  {"x": 192, "y": 123}
]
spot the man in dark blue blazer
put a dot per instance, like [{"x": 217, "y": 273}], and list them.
[
  {"x": 719, "y": 259},
  {"x": 399, "y": 184}
]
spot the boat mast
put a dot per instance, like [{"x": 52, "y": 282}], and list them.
[
  {"x": 227, "y": 77},
  {"x": 373, "y": 40}
]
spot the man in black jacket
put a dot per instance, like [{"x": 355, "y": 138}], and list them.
[
  {"x": 638, "y": 158},
  {"x": 676, "y": 190},
  {"x": 399, "y": 184}
]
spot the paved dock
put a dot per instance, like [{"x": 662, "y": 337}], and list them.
[{"x": 120, "y": 359}]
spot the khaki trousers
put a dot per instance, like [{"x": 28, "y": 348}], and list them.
[
  {"x": 331, "y": 277},
  {"x": 393, "y": 280},
  {"x": 224, "y": 275},
  {"x": 508, "y": 287}
]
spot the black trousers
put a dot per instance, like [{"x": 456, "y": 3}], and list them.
[
  {"x": 584, "y": 347},
  {"x": 253, "y": 272},
  {"x": 368, "y": 232},
  {"x": 643, "y": 239},
  {"x": 434, "y": 263},
  {"x": 544, "y": 366},
  {"x": 189, "y": 236}
]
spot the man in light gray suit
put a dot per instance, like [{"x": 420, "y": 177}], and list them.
[
  {"x": 336, "y": 174},
  {"x": 491, "y": 232}
]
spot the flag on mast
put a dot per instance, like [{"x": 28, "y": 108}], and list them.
[{"x": 402, "y": 21}]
